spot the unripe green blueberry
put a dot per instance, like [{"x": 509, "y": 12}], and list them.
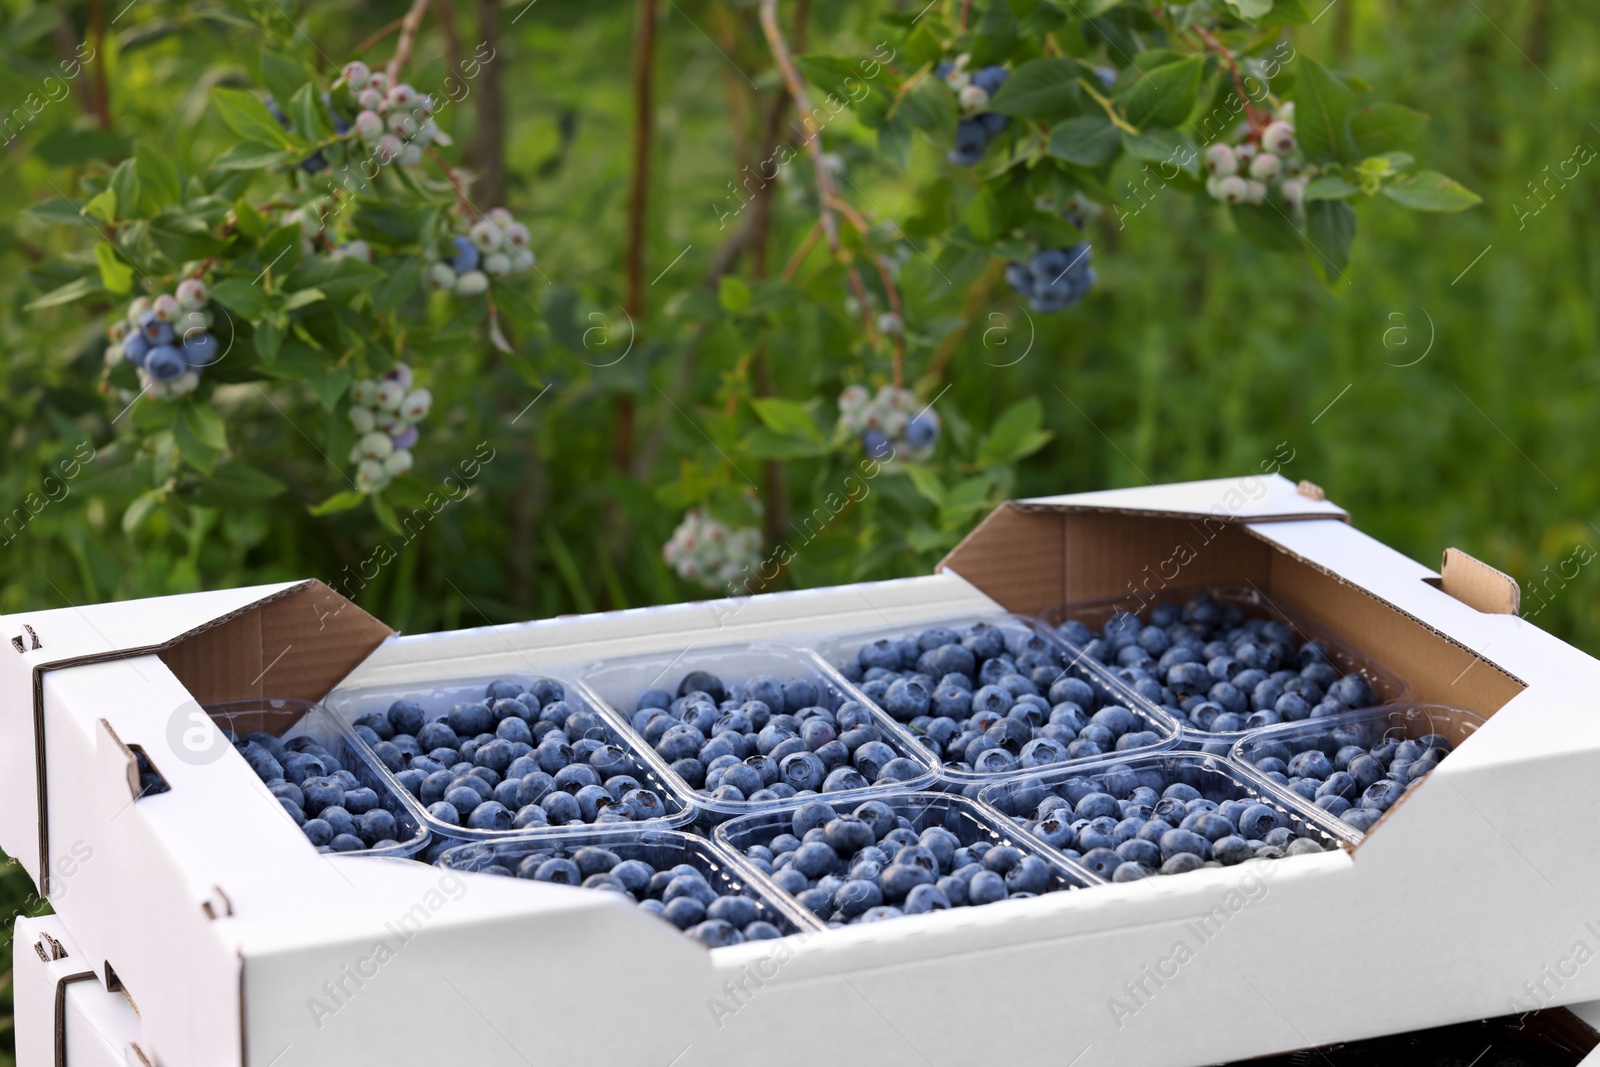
[
  {"x": 166, "y": 307},
  {"x": 1221, "y": 161},
  {"x": 497, "y": 264},
  {"x": 402, "y": 96},
  {"x": 137, "y": 309},
  {"x": 486, "y": 235},
  {"x": 356, "y": 74},
  {"x": 379, "y": 81},
  {"x": 441, "y": 276},
  {"x": 1294, "y": 191},
  {"x": 363, "y": 420},
  {"x": 369, "y": 125},
  {"x": 410, "y": 155},
  {"x": 371, "y": 100},
  {"x": 192, "y": 294},
  {"x": 1265, "y": 167},
  {"x": 1255, "y": 192},
  {"x": 472, "y": 283},
  {"x": 390, "y": 396},
  {"x": 113, "y": 355},
  {"x": 1245, "y": 153},
  {"x": 500, "y": 217},
  {"x": 1232, "y": 189},
  {"x": 1278, "y": 137},
  {"x": 414, "y": 408},
  {"x": 364, "y": 392},
  {"x": 370, "y": 476},
  {"x": 972, "y": 98},
  {"x": 375, "y": 445},
  {"x": 387, "y": 149},
  {"x": 516, "y": 234},
  {"x": 397, "y": 462}
]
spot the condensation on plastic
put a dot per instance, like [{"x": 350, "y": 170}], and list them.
[
  {"x": 836, "y": 650},
  {"x": 1213, "y": 776},
  {"x": 616, "y": 685},
  {"x": 969, "y": 821},
  {"x": 242, "y": 717},
  {"x": 1400, "y": 722},
  {"x": 662, "y": 849},
  {"x": 437, "y": 698},
  {"x": 1386, "y": 685}
]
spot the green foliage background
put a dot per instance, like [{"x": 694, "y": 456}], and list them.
[{"x": 1198, "y": 355}]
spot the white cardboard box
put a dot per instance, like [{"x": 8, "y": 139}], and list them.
[
  {"x": 64, "y": 1016},
  {"x": 240, "y": 945}
]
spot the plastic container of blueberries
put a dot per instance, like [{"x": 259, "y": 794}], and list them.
[
  {"x": 659, "y": 848},
  {"x": 1387, "y": 686},
  {"x": 1213, "y": 776},
  {"x": 844, "y": 648},
  {"x": 615, "y": 686},
  {"x": 437, "y": 698},
  {"x": 965, "y": 818},
  {"x": 287, "y": 719},
  {"x": 1400, "y": 722}
]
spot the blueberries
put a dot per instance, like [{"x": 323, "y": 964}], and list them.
[
  {"x": 332, "y": 807},
  {"x": 1105, "y": 821},
  {"x": 1053, "y": 279}
]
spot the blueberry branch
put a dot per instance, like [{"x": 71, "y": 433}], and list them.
[
  {"x": 826, "y": 194},
  {"x": 1110, "y": 109},
  {"x": 408, "y": 39},
  {"x": 1231, "y": 61}
]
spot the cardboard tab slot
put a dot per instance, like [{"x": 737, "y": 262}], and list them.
[{"x": 1478, "y": 585}]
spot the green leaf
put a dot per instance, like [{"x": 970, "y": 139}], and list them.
[
  {"x": 247, "y": 220},
  {"x": 199, "y": 454},
  {"x": 141, "y": 508},
  {"x": 205, "y": 424},
  {"x": 1170, "y": 148},
  {"x": 339, "y": 279},
  {"x": 1090, "y": 141},
  {"x": 931, "y": 106},
  {"x": 1266, "y": 225},
  {"x": 68, "y": 146},
  {"x": 1321, "y": 102},
  {"x": 1428, "y": 190},
  {"x": 1044, "y": 89},
  {"x": 182, "y": 237},
  {"x": 787, "y": 417},
  {"x": 58, "y": 211},
  {"x": 733, "y": 293},
  {"x": 268, "y": 339},
  {"x": 234, "y": 482},
  {"x": 1329, "y": 187},
  {"x": 332, "y": 384},
  {"x": 115, "y": 275},
  {"x": 1379, "y": 128},
  {"x": 283, "y": 77},
  {"x": 1016, "y": 434},
  {"x": 404, "y": 274},
  {"x": 103, "y": 206},
  {"x": 66, "y": 294},
  {"x": 125, "y": 184},
  {"x": 250, "y": 156},
  {"x": 310, "y": 118},
  {"x": 301, "y": 297},
  {"x": 245, "y": 298},
  {"x": 345, "y": 501},
  {"x": 923, "y": 46},
  {"x": 1330, "y": 227},
  {"x": 927, "y": 484},
  {"x": 386, "y": 515},
  {"x": 1166, "y": 94},
  {"x": 983, "y": 215},
  {"x": 1285, "y": 13},
  {"x": 1251, "y": 9},
  {"x": 762, "y": 443},
  {"x": 249, "y": 118},
  {"x": 158, "y": 178}
]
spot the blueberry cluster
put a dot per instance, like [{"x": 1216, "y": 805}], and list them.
[
  {"x": 385, "y": 413},
  {"x": 1053, "y": 279},
  {"x": 167, "y": 338},
  {"x": 1259, "y": 162},
  {"x": 1218, "y": 671},
  {"x": 680, "y": 894},
  {"x": 767, "y": 740},
  {"x": 150, "y": 783},
  {"x": 396, "y": 120},
  {"x": 1349, "y": 771},
  {"x": 983, "y": 702},
  {"x": 521, "y": 758},
  {"x": 1127, "y": 823},
  {"x": 870, "y": 864},
  {"x": 891, "y": 424},
  {"x": 703, "y": 550},
  {"x": 973, "y": 90},
  {"x": 324, "y": 797},
  {"x": 496, "y": 245}
]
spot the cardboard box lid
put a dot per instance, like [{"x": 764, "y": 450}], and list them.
[
  {"x": 1251, "y": 498},
  {"x": 293, "y": 639}
]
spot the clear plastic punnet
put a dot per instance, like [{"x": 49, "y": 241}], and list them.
[
  {"x": 981, "y": 748},
  {"x": 853, "y": 758},
  {"x": 563, "y": 745},
  {"x": 1246, "y": 602},
  {"x": 290, "y": 719},
  {"x": 661, "y": 850},
  {"x": 1352, "y": 768},
  {"x": 867, "y": 888},
  {"x": 1188, "y": 810}
]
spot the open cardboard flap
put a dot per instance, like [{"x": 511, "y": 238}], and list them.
[{"x": 295, "y": 639}]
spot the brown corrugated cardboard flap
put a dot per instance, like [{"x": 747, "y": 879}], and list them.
[{"x": 1478, "y": 585}]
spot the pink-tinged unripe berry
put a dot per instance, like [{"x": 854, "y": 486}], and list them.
[
  {"x": 1221, "y": 161},
  {"x": 370, "y": 100},
  {"x": 402, "y": 96},
  {"x": 166, "y": 307},
  {"x": 117, "y": 330},
  {"x": 424, "y": 106},
  {"x": 1278, "y": 137},
  {"x": 410, "y": 155},
  {"x": 1265, "y": 167},
  {"x": 972, "y": 98},
  {"x": 390, "y": 395},
  {"x": 356, "y": 74},
  {"x": 1232, "y": 189},
  {"x": 499, "y": 216},
  {"x": 1294, "y": 191},
  {"x": 486, "y": 235},
  {"x": 400, "y": 372},
  {"x": 1255, "y": 192},
  {"x": 516, "y": 234},
  {"x": 406, "y": 438},
  {"x": 379, "y": 81},
  {"x": 192, "y": 294},
  {"x": 403, "y": 124},
  {"x": 388, "y": 148},
  {"x": 137, "y": 308},
  {"x": 1245, "y": 153},
  {"x": 369, "y": 125}
]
